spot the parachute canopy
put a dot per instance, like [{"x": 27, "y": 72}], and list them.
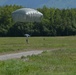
[{"x": 27, "y": 15}]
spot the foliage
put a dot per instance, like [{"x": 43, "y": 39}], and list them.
[
  {"x": 6, "y": 21},
  {"x": 55, "y": 22}
]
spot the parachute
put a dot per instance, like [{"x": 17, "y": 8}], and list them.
[{"x": 27, "y": 15}]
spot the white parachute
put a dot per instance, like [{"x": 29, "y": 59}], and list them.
[{"x": 27, "y": 15}]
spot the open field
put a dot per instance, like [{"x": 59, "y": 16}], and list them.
[
  {"x": 15, "y": 44},
  {"x": 59, "y": 62}
]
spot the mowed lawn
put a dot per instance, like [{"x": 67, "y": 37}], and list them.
[
  {"x": 55, "y": 62},
  {"x": 15, "y": 44}
]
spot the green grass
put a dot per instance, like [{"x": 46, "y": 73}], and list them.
[
  {"x": 13, "y": 44},
  {"x": 59, "y": 62},
  {"x": 56, "y": 62}
]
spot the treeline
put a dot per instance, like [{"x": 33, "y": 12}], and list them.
[{"x": 55, "y": 22}]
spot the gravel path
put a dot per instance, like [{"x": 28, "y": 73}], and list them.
[{"x": 19, "y": 55}]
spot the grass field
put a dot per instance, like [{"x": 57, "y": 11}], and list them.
[
  {"x": 13, "y": 44},
  {"x": 59, "y": 62},
  {"x": 56, "y": 62}
]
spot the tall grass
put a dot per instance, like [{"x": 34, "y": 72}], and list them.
[
  {"x": 59, "y": 62},
  {"x": 12, "y": 44}
]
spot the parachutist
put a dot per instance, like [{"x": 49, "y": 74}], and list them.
[{"x": 27, "y": 40}]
